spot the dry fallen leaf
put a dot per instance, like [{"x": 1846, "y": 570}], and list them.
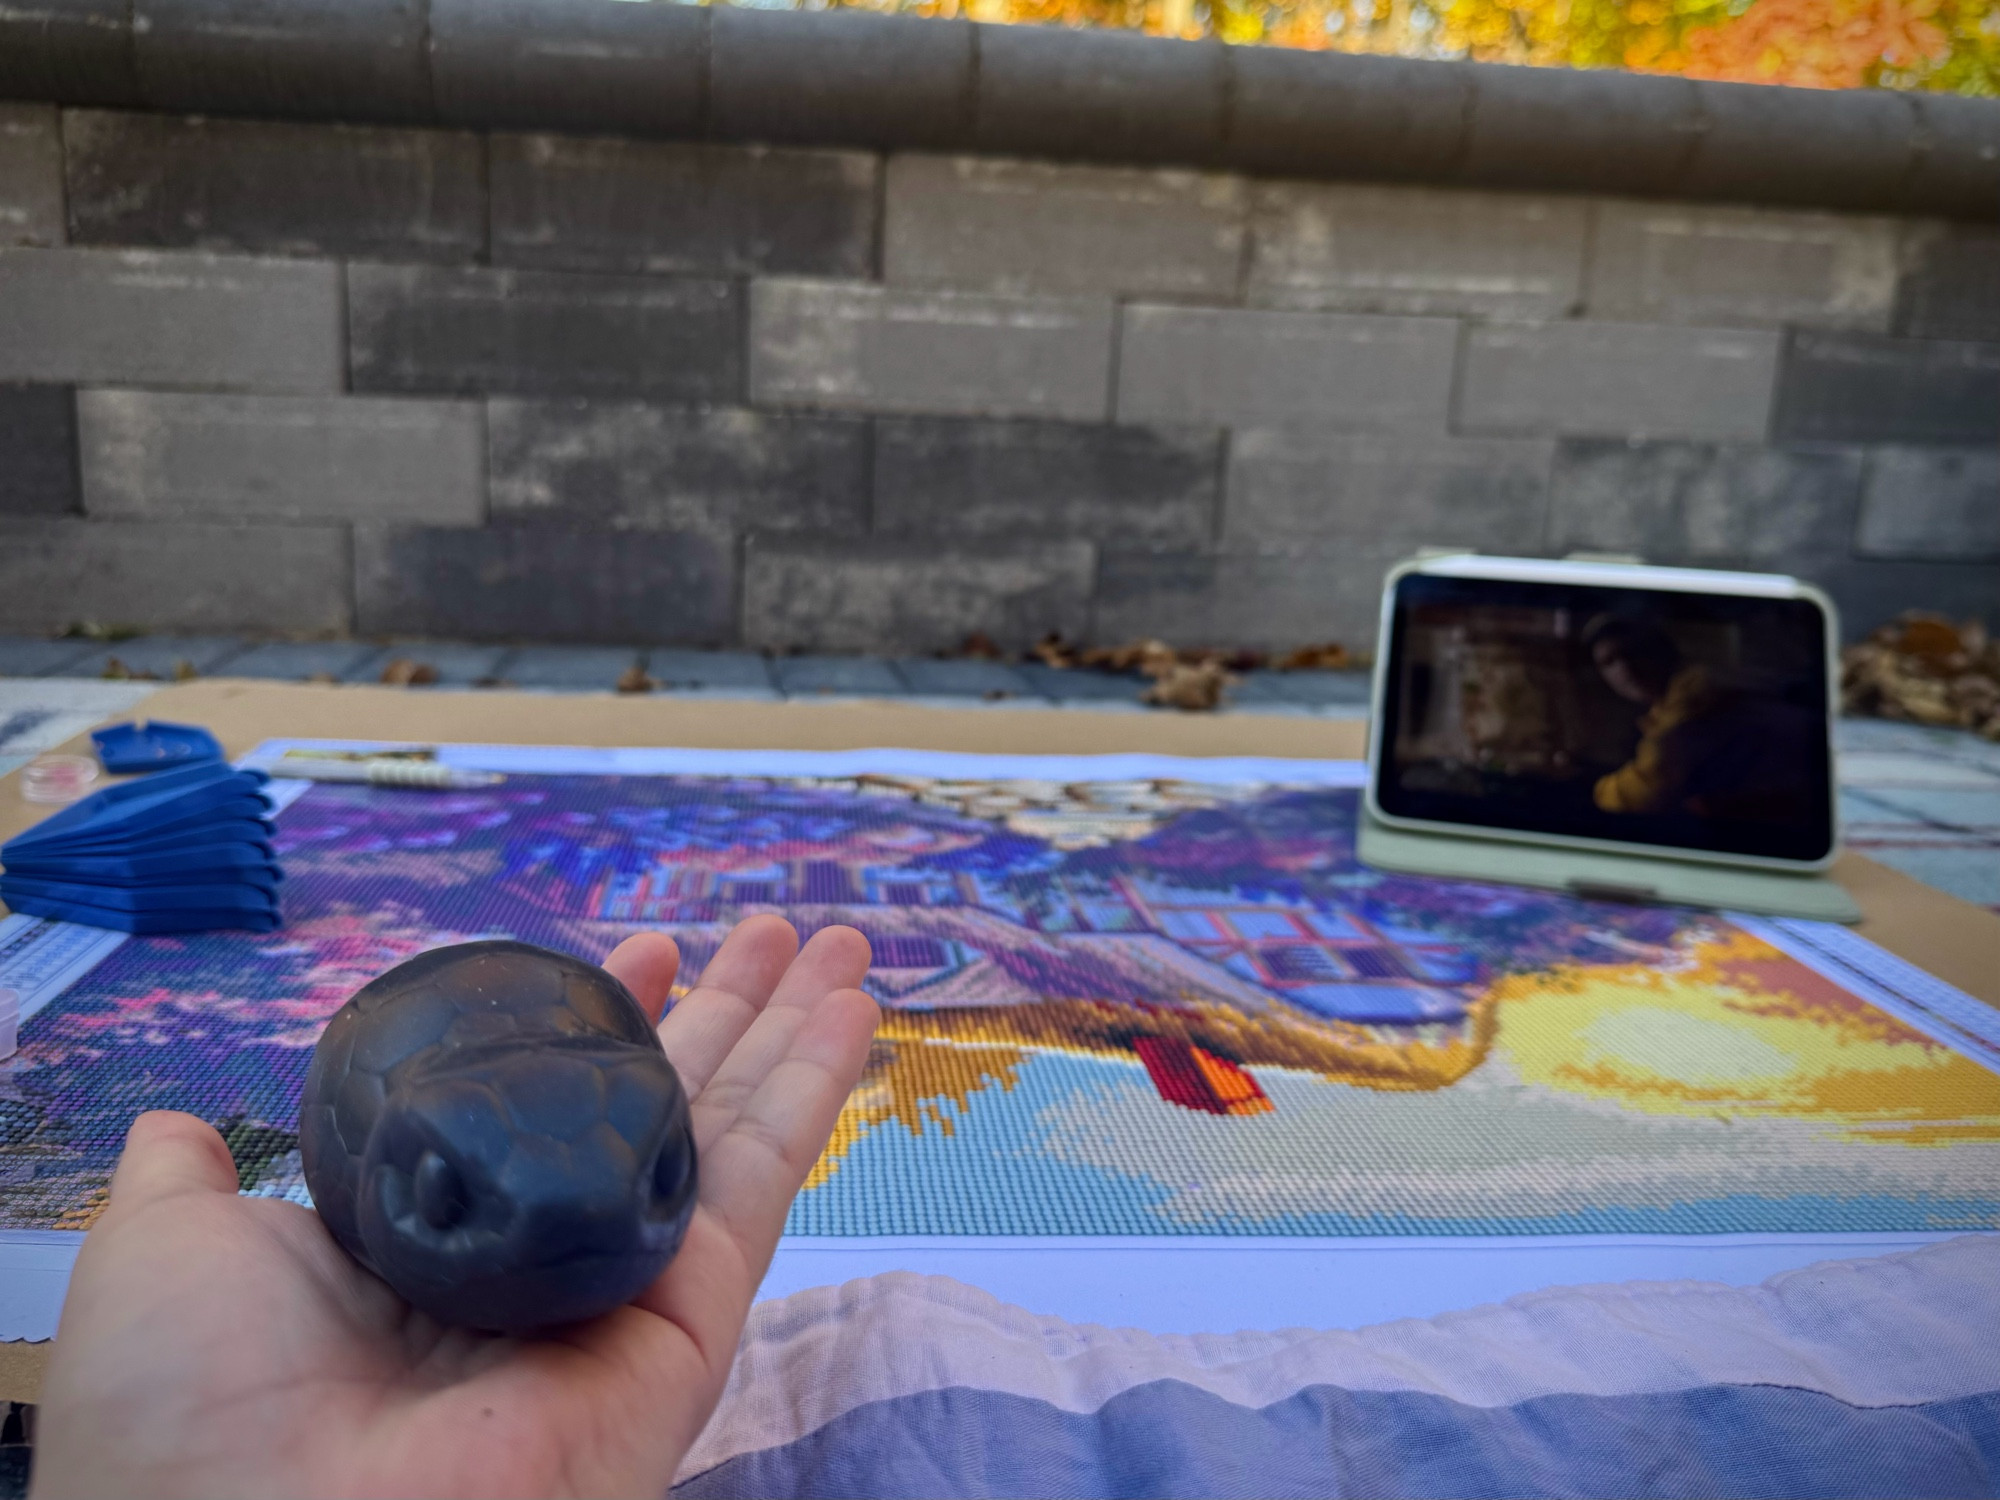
[
  {"x": 1190, "y": 686},
  {"x": 1924, "y": 669},
  {"x": 184, "y": 670},
  {"x": 1053, "y": 651},
  {"x": 635, "y": 680},
  {"x": 404, "y": 672},
  {"x": 979, "y": 646},
  {"x": 1326, "y": 656},
  {"x": 116, "y": 671}
]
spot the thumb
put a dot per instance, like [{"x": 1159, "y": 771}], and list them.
[{"x": 168, "y": 1154}]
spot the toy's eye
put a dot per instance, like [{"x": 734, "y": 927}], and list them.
[
  {"x": 441, "y": 1196},
  {"x": 671, "y": 1168}
]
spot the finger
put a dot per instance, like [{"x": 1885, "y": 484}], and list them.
[
  {"x": 168, "y": 1154},
  {"x": 752, "y": 1171},
  {"x": 699, "y": 1031},
  {"x": 835, "y": 959},
  {"x": 646, "y": 964}
]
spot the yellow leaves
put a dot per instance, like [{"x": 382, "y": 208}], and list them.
[{"x": 1934, "y": 44}]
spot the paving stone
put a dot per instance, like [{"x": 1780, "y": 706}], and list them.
[
  {"x": 577, "y": 668},
  {"x": 737, "y": 673},
  {"x": 1259, "y": 692},
  {"x": 1077, "y": 685},
  {"x": 624, "y": 464},
  {"x": 636, "y": 69},
  {"x": 169, "y": 318},
  {"x": 1416, "y": 250},
  {"x": 152, "y": 455},
  {"x": 1270, "y": 601},
  {"x": 1617, "y": 380},
  {"x": 543, "y": 583},
  {"x": 1344, "y": 696},
  {"x": 1736, "y": 505},
  {"x": 1745, "y": 267},
  {"x": 352, "y": 59},
  {"x": 839, "y": 76},
  {"x": 848, "y": 676},
  {"x": 1212, "y": 365},
  {"x": 1864, "y": 388},
  {"x": 1320, "y": 690},
  {"x": 860, "y": 347},
  {"x": 1311, "y": 114},
  {"x": 181, "y": 576},
  {"x": 290, "y": 189},
  {"x": 457, "y": 665},
  {"x": 1941, "y": 503},
  {"x": 589, "y": 203},
  {"x": 303, "y": 661},
  {"x": 963, "y": 678},
  {"x": 907, "y": 597},
  {"x": 160, "y": 655},
  {"x": 1953, "y": 289},
  {"x": 1044, "y": 90},
  {"x": 415, "y": 328},
  {"x": 31, "y": 656},
  {"x": 37, "y": 451},
  {"x": 1579, "y": 129},
  {"x": 31, "y": 188},
  {"x": 1019, "y": 226},
  {"x": 1292, "y": 489},
  {"x": 940, "y": 476}
]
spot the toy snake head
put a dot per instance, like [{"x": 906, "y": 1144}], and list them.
[{"x": 493, "y": 1129}]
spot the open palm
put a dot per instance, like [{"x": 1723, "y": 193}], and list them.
[{"x": 213, "y": 1344}]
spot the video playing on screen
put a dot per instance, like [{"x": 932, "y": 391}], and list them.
[{"x": 1695, "y": 721}]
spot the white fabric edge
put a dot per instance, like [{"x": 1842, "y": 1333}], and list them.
[
  {"x": 1183, "y": 1285},
  {"x": 578, "y": 760},
  {"x": 1895, "y": 1330}
]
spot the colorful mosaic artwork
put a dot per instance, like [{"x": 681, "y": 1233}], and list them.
[{"x": 1137, "y": 1007}]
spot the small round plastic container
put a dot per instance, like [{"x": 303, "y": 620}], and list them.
[{"x": 57, "y": 778}]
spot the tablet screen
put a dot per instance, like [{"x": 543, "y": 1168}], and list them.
[{"x": 1695, "y": 721}]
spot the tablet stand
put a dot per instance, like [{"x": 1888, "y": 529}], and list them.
[{"x": 1615, "y": 877}]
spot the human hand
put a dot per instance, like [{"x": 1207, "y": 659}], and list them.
[{"x": 218, "y": 1345}]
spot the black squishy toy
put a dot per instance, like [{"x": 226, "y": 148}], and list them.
[{"x": 493, "y": 1129}]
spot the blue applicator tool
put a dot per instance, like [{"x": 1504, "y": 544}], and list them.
[{"x": 183, "y": 850}]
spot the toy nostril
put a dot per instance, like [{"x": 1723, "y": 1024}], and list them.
[
  {"x": 670, "y": 1170},
  {"x": 440, "y": 1192}
]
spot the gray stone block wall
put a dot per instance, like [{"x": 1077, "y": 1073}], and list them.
[{"x": 403, "y": 380}]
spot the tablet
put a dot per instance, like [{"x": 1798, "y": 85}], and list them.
[{"x": 1606, "y": 706}]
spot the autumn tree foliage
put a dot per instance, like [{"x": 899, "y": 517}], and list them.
[{"x": 1951, "y": 45}]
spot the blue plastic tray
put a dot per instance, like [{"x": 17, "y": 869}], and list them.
[{"x": 153, "y": 745}]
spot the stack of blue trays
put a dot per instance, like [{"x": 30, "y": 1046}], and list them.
[{"x": 183, "y": 850}]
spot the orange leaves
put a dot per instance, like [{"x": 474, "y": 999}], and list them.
[
  {"x": 1939, "y": 44},
  {"x": 1819, "y": 43}
]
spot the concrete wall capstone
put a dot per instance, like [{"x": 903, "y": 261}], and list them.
[
  {"x": 793, "y": 331},
  {"x": 904, "y": 83}
]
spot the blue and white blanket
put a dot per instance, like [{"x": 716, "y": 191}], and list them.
[{"x": 1867, "y": 1377}]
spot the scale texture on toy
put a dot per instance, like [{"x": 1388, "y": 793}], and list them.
[{"x": 494, "y": 1130}]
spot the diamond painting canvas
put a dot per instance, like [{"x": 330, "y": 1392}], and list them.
[{"x": 1115, "y": 1004}]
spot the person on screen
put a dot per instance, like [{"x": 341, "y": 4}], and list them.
[
  {"x": 1708, "y": 747},
  {"x": 1641, "y": 664}
]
